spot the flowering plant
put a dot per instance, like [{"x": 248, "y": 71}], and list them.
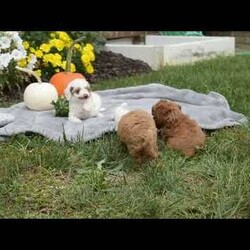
[
  {"x": 51, "y": 55},
  {"x": 11, "y": 48},
  {"x": 45, "y": 53},
  {"x": 11, "y": 51}
]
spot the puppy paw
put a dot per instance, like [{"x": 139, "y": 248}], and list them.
[{"x": 74, "y": 119}]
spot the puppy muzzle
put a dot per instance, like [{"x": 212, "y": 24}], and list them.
[{"x": 83, "y": 97}]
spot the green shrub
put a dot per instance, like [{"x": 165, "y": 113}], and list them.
[{"x": 61, "y": 106}]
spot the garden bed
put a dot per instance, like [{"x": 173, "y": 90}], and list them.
[{"x": 109, "y": 65}]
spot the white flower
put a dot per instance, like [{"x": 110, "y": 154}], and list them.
[
  {"x": 5, "y": 60},
  {"x": 32, "y": 62},
  {"x": 17, "y": 55},
  {"x": 33, "y": 59},
  {"x": 4, "y": 42},
  {"x": 18, "y": 41},
  {"x": 11, "y": 43},
  {"x": 12, "y": 34},
  {"x": 23, "y": 51}
]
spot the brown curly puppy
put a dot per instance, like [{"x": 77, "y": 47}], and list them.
[
  {"x": 137, "y": 130},
  {"x": 178, "y": 130}
]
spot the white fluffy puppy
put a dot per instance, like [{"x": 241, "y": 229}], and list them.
[{"x": 83, "y": 102}]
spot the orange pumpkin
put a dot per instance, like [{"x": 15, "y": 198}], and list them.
[{"x": 62, "y": 79}]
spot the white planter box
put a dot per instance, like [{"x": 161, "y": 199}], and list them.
[{"x": 159, "y": 51}]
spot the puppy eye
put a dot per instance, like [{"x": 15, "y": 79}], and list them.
[{"x": 77, "y": 91}]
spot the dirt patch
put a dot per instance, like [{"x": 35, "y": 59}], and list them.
[{"x": 109, "y": 65}]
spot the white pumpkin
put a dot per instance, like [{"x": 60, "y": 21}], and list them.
[{"x": 39, "y": 95}]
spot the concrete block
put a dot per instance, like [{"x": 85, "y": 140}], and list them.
[
  {"x": 159, "y": 51},
  {"x": 151, "y": 54}
]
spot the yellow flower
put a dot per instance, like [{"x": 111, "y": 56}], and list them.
[
  {"x": 45, "y": 47},
  {"x": 26, "y": 44},
  {"x": 38, "y": 53},
  {"x": 64, "y": 37},
  {"x": 54, "y": 59},
  {"x": 91, "y": 56},
  {"x": 63, "y": 65},
  {"x": 88, "y": 47},
  {"x": 32, "y": 50},
  {"x": 52, "y": 35},
  {"x": 57, "y": 60},
  {"x": 57, "y": 70},
  {"x": 90, "y": 69},
  {"x": 85, "y": 58},
  {"x": 22, "y": 63},
  {"x": 38, "y": 72},
  {"x": 59, "y": 44},
  {"x": 47, "y": 58},
  {"x": 72, "y": 67},
  {"x": 78, "y": 46}
]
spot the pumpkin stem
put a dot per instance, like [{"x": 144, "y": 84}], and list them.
[
  {"x": 70, "y": 53},
  {"x": 31, "y": 72}
]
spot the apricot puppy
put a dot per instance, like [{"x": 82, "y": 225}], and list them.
[
  {"x": 178, "y": 130},
  {"x": 137, "y": 130}
]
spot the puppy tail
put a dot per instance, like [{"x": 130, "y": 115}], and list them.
[{"x": 119, "y": 112}]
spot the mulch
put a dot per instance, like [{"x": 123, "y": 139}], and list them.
[{"x": 110, "y": 65}]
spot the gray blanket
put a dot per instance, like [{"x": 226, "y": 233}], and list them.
[{"x": 211, "y": 111}]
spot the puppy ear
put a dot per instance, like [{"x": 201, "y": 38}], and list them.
[
  {"x": 68, "y": 92},
  {"x": 153, "y": 109}
]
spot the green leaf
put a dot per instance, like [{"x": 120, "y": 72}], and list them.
[{"x": 61, "y": 107}]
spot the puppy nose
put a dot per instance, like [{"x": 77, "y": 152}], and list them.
[{"x": 85, "y": 96}]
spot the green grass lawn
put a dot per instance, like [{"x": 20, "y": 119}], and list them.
[{"x": 45, "y": 179}]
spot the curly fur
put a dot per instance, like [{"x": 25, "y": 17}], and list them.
[
  {"x": 83, "y": 102},
  {"x": 137, "y": 130},
  {"x": 178, "y": 130}
]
